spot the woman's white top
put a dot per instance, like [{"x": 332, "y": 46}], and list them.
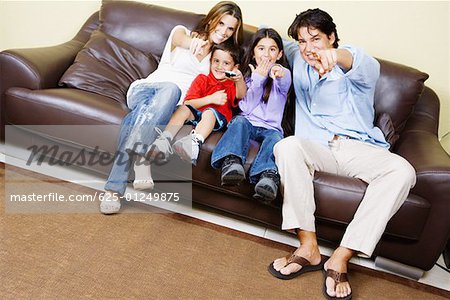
[{"x": 179, "y": 66}]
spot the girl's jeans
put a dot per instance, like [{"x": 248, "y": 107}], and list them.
[
  {"x": 236, "y": 141},
  {"x": 151, "y": 104}
]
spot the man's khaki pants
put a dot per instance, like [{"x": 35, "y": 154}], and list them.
[{"x": 389, "y": 178}]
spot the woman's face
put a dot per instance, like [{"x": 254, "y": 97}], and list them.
[
  {"x": 266, "y": 49},
  {"x": 224, "y": 29}
]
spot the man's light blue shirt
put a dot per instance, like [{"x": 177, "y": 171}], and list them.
[{"x": 338, "y": 103}]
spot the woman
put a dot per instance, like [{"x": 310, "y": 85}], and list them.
[{"x": 153, "y": 100}]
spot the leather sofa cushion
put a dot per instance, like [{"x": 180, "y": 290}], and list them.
[
  {"x": 384, "y": 122},
  {"x": 61, "y": 107},
  {"x": 107, "y": 66},
  {"x": 337, "y": 197},
  {"x": 97, "y": 118},
  {"x": 397, "y": 92}
]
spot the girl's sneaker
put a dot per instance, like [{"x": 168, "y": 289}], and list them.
[
  {"x": 267, "y": 187},
  {"x": 233, "y": 172}
]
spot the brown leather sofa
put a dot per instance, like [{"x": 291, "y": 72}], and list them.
[{"x": 31, "y": 94}]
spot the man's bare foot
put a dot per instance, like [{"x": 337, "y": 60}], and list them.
[
  {"x": 309, "y": 252},
  {"x": 338, "y": 262}
]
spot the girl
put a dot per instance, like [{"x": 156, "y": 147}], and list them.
[
  {"x": 262, "y": 111},
  {"x": 153, "y": 100}
]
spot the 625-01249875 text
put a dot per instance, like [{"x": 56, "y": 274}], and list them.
[{"x": 144, "y": 197}]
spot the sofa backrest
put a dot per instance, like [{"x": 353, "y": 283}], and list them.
[
  {"x": 147, "y": 27},
  {"x": 143, "y": 26}
]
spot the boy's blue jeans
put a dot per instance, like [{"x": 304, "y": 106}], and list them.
[
  {"x": 236, "y": 141},
  {"x": 151, "y": 104}
]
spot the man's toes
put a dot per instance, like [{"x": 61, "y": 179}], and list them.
[
  {"x": 330, "y": 287},
  {"x": 347, "y": 290},
  {"x": 340, "y": 291},
  {"x": 291, "y": 268},
  {"x": 279, "y": 263},
  {"x": 343, "y": 290}
]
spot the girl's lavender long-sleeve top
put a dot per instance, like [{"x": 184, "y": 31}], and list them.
[{"x": 269, "y": 114}]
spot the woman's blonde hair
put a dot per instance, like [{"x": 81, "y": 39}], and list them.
[{"x": 215, "y": 15}]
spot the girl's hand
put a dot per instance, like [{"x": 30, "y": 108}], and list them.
[
  {"x": 219, "y": 97},
  {"x": 196, "y": 46},
  {"x": 263, "y": 68},
  {"x": 238, "y": 76},
  {"x": 277, "y": 71}
]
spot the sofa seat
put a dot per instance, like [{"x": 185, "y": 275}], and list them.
[
  {"x": 67, "y": 107},
  {"x": 337, "y": 197},
  {"x": 62, "y": 107}
]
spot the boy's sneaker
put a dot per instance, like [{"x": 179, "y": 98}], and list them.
[
  {"x": 161, "y": 147},
  {"x": 267, "y": 187},
  {"x": 233, "y": 172},
  {"x": 188, "y": 147}
]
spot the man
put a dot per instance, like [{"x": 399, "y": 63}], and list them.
[{"x": 334, "y": 133}]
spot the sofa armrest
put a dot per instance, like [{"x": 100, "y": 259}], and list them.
[
  {"x": 419, "y": 144},
  {"x": 36, "y": 68},
  {"x": 40, "y": 68},
  {"x": 425, "y": 116}
]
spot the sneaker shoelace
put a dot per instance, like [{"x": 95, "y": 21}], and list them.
[
  {"x": 230, "y": 160},
  {"x": 195, "y": 141},
  {"x": 271, "y": 175},
  {"x": 165, "y": 139}
]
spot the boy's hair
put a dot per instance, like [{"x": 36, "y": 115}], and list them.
[
  {"x": 314, "y": 19},
  {"x": 213, "y": 18},
  {"x": 234, "y": 51},
  {"x": 250, "y": 57}
]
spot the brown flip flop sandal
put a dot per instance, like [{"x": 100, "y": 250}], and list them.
[
  {"x": 292, "y": 258},
  {"x": 338, "y": 278}
]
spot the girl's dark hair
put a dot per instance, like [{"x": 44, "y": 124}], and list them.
[
  {"x": 213, "y": 18},
  {"x": 250, "y": 56},
  {"x": 314, "y": 19},
  {"x": 230, "y": 48}
]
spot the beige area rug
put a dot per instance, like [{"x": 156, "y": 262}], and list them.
[{"x": 154, "y": 256}]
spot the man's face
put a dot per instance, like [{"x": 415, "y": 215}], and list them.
[{"x": 312, "y": 40}]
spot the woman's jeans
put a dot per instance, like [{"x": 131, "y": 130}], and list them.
[
  {"x": 236, "y": 141},
  {"x": 151, "y": 104}
]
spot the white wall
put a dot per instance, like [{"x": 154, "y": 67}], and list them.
[{"x": 414, "y": 33}]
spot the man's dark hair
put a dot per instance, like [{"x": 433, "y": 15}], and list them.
[{"x": 314, "y": 19}]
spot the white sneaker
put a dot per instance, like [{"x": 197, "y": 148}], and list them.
[
  {"x": 188, "y": 148},
  {"x": 161, "y": 146},
  {"x": 110, "y": 203}
]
